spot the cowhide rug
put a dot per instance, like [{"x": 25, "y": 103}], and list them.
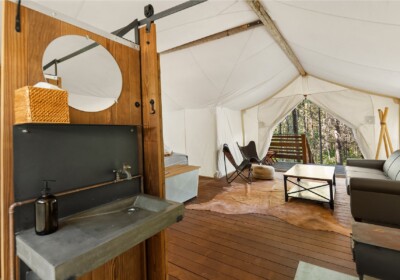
[{"x": 267, "y": 197}]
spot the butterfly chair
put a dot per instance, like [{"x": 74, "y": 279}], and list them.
[
  {"x": 238, "y": 168},
  {"x": 250, "y": 152}
]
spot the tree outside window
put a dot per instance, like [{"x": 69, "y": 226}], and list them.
[{"x": 330, "y": 140}]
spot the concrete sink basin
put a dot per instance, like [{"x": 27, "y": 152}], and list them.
[{"x": 89, "y": 239}]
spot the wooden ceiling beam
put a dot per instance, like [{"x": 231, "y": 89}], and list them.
[
  {"x": 216, "y": 36},
  {"x": 275, "y": 33}
]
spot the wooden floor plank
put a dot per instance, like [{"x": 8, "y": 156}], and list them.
[
  {"x": 261, "y": 232},
  {"x": 249, "y": 262},
  {"x": 221, "y": 264},
  {"x": 177, "y": 272},
  {"x": 209, "y": 245},
  {"x": 272, "y": 254},
  {"x": 245, "y": 246},
  {"x": 269, "y": 229},
  {"x": 282, "y": 227},
  {"x": 252, "y": 236},
  {"x": 170, "y": 277},
  {"x": 194, "y": 267}
]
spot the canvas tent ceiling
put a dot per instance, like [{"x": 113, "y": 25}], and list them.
[{"x": 351, "y": 43}]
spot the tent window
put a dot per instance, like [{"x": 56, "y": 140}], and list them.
[{"x": 330, "y": 141}]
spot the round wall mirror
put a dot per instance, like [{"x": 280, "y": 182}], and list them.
[{"x": 86, "y": 70}]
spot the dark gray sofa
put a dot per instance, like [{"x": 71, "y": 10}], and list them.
[{"x": 374, "y": 189}]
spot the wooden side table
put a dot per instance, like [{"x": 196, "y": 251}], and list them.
[{"x": 181, "y": 182}]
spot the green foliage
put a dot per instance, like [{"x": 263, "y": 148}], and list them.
[{"x": 337, "y": 142}]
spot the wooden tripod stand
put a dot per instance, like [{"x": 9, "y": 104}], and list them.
[{"x": 384, "y": 135}]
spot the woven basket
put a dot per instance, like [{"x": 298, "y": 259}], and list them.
[{"x": 40, "y": 105}]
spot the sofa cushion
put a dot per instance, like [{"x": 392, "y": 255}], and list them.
[
  {"x": 362, "y": 169},
  {"x": 368, "y": 175},
  {"x": 360, "y": 172},
  {"x": 392, "y": 165},
  {"x": 394, "y": 169}
]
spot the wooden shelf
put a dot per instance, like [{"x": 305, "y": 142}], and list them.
[
  {"x": 324, "y": 191},
  {"x": 174, "y": 170}
]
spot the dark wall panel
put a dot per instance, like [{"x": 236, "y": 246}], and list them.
[{"x": 75, "y": 156}]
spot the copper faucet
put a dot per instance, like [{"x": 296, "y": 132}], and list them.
[{"x": 124, "y": 173}]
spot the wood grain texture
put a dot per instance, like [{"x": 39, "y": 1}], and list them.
[
  {"x": 22, "y": 65},
  {"x": 273, "y": 30},
  {"x": 153, "y": 145},
  {"x": 135, "y": 85},
  {"x": 216, "y": 36},
  {"x": 127, "y": 266},
  {"x": 45, "y": 28},
  {"x": 13, "y": 76},
  {"x": 174, "y": 170},
  {"x": 40, "y": 105},
  {"x": 129, "y": 62},
  {"x": 205, "y": 242}
]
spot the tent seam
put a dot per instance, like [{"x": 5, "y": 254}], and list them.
[
  {"x": 333, "y": 15},
  {"x": 201, "y": 69},
  {"x": 200, "y": 20},
  {"x": 289, "y": 65},
  {"x": 273, "y": 43},
  {"x": 234, "y": 67},
  {"x": 342, "y": 60},
  {"x": 175, "y": 102}
]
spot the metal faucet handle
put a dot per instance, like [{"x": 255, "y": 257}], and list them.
[
  {"x": 117, "y": 174},
  {"x": 126, "y": 166},
  {"x": 127, "y": 171},
  {"x": 123, "y": 173}
]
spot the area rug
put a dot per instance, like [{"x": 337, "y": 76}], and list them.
[{"x": 267, "y": 197}]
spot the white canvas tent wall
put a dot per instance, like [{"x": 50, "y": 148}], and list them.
[
  {"x": 356, "y": 109},
  {"x": 351, "y": 43}
]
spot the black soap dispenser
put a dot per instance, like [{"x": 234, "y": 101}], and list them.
[{"x": 46, "y": 211}]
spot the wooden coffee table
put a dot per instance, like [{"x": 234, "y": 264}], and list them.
[{"x": 313, "y": 182}]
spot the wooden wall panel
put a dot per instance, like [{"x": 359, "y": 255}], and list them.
[
  {"x": 135, "y": 85},
  {"x": 127, "y": 266},
  {"x": 22, "y": 65},
  {"x": 37, "y": 24},
  {"x": 14, "y": 68},
  {"x": 115, "y": 114},
  {"x": 153, "y": 145}
]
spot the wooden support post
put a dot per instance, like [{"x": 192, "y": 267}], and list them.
[
  {"x": 13, "y": 76},
  {"x": 216, "y": 36},
  {"x": 384, "y": 139},
  {"x": 153, "y": 146},
  {"x": 384, "y": 134},
  {"x": 378, "y": 149},
  {"x": 273, "y": 30},
  {"x": 388, "y": 140}
]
